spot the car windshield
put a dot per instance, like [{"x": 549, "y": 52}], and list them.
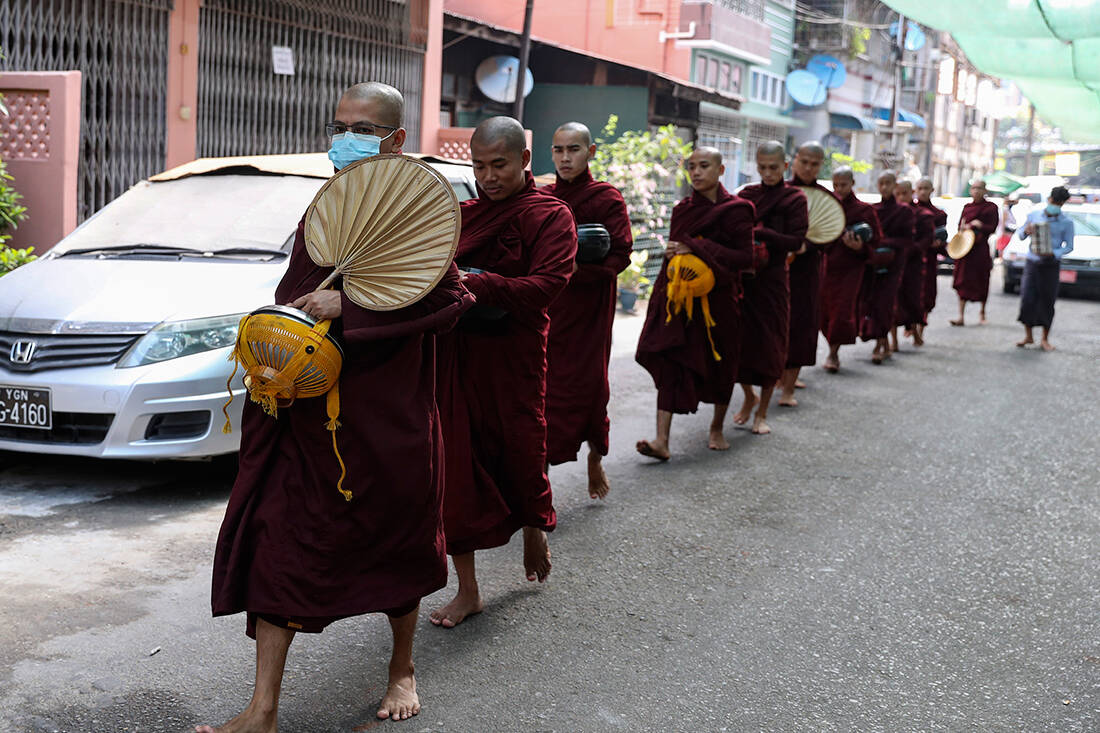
[
  {"x": 1087, "y": 223},
  {"x": 210, "y": 213}
]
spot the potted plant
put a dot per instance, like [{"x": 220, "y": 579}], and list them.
[{"x": 632, "y": 280}]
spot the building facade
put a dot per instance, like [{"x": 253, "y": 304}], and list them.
[
  {"x": 165, "y": 81},
  {"x": 743, "y": 47},
  {"x": 894, "y": 109}
]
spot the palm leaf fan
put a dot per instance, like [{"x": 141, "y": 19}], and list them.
[
  {"x": 826, "y": 215},
  {"x": 388, "y": 225}
]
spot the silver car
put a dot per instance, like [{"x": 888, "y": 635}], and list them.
[{"x": 116, "y": 342}]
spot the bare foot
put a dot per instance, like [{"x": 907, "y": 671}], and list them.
[
  {"x": 958, "y": 322},
  {"x": 400, "y": 701},
  {"x": 246, "y": 722},
  {"x": 653, "y": 449},
  {"x": 1025, "y": 342},
  {"x": 982, "y": 321},
  {"x": 799, "y": 384},
  {"x": 597, "y": 478},
  {"x": 458, "y": 610},
  {"x": 759, "y": 427},
  {"x": 717, "y": 441},
  {"x": 536, "y": 554},
  {"x": 1047, "y": 346},
  {"x": 831, "y": 365},
  {"x": 745, "y": 412},
  {"x": 787, "y": 400},
  {"x": 918, "y": 339}
]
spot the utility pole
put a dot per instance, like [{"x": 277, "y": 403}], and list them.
[
  {"x": 899, "y": 55},
  {"x": 524, "y": 53}
]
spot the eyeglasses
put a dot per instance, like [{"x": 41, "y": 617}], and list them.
[{"x": 359, "y": 128}]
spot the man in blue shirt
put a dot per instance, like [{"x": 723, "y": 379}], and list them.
[{"x": 1039, "y": 288}]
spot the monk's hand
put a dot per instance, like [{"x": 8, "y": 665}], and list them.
[
  {"x": 575, "y": 267},
  {"x": 851, "y": 241},
  {"x": 801, "y": 250},
  {"x": 676, "y": 248},
  {"x": 323, "y": 305}
]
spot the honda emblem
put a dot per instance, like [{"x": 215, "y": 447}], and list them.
[{"x": 22, "y": 351}]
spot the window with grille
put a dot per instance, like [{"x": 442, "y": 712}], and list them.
[
  {"x": 750, "y": 8},
  {"x": 768, "y": 88}
]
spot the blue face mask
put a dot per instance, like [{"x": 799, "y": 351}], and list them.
[
  {"x": 1054, "y": 210},
  {"x": 350, "y": 147}
]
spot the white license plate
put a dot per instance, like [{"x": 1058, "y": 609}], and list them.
[
  {"x": 25, "y": 407},
  {"x": 1067, "y": 276}
]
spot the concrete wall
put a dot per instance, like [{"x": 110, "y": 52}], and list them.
[
  {"x": 624, "y": 32},
  {"x": 40, "y": 142},
  {"x": 549, "y": 105}
]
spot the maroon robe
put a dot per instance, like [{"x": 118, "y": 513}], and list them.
[
  {"x": 931, "y": 259},
  {"x": 781, "y": 223},
  {"x": 843, "y": 276},
  {"x": 880, "y": 291},
  {"x": 972, "y": 271},
  {"x": 492, "y": 371},
  {"x": 910, "y": 307},
  {"x": 804, "y": 275},
  {"x": 290, "y": 545},
  {"x": 677, "y": 352},
  {"x": 581, "y": 318}
]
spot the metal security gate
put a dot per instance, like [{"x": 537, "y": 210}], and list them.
[
  {"x": 247, "y": 109},
  {"x": 121, "y": 49}
]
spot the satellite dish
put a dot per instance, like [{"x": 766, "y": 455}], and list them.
[
  {"x": 914, "y": 36},
  {"x": 805, "y": 88},
  {"x": 914, "y": 39},
  {"x": 829, "y": 69},
  {"x": 496, "y": 78}
]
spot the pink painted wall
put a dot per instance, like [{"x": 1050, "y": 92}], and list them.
[
  {"x": 433, "y": 80},
  {"x": 183, "y": 83},
  {"x": 625, "y": 31},
  {"x": 40, "y": 142}
]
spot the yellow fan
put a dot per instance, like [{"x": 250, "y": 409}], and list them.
[
  {"x": 960, "y": 244},
  {"x": 827, "y": 218},
  {"x": 389, "y": 225}
]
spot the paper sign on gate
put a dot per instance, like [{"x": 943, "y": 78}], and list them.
[{"x": 282, "y": 60}]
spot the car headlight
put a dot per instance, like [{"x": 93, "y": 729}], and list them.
[{"x": 173, "y": 339}]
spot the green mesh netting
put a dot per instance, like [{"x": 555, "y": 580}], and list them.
[{"x": 1050, "y": 48}]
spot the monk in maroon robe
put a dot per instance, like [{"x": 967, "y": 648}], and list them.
[
  {"x": 517, "y": 248},
  {"x": 689, "y": 361},
  {"x": 781, "y": 223},
  {"x": 880, "y": 286},
  {"x": 910, "y": 307},
  {"x": 805, "y": 282},
  {"x": 931, "y": 259},
  {"x": 972, "y": 271},
  {"x": 582, "y": 316},
  {"x": 845, "y": 265},
  {"x": 293, "y": 553}
]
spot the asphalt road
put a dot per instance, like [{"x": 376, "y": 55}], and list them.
[{"x": 915, "y": 547}]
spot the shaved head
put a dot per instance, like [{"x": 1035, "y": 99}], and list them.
[
  {"x": 386, "y": 102},
  {"x": 770, "y": 149},
  {"x": 845, "y": 172},
  {"x": 905, "y": 186},
  {"x": 925, "y": 182},
  {"x": 888, "y": 176},
  {"x": 713, "y": 153},
  {"x": 577, "y": 128},
  {"x": 812, "y": 148},
  {"x": 506, "y": 132}
]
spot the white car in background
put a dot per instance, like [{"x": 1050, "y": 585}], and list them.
[{"x": 115, "y": 343}]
